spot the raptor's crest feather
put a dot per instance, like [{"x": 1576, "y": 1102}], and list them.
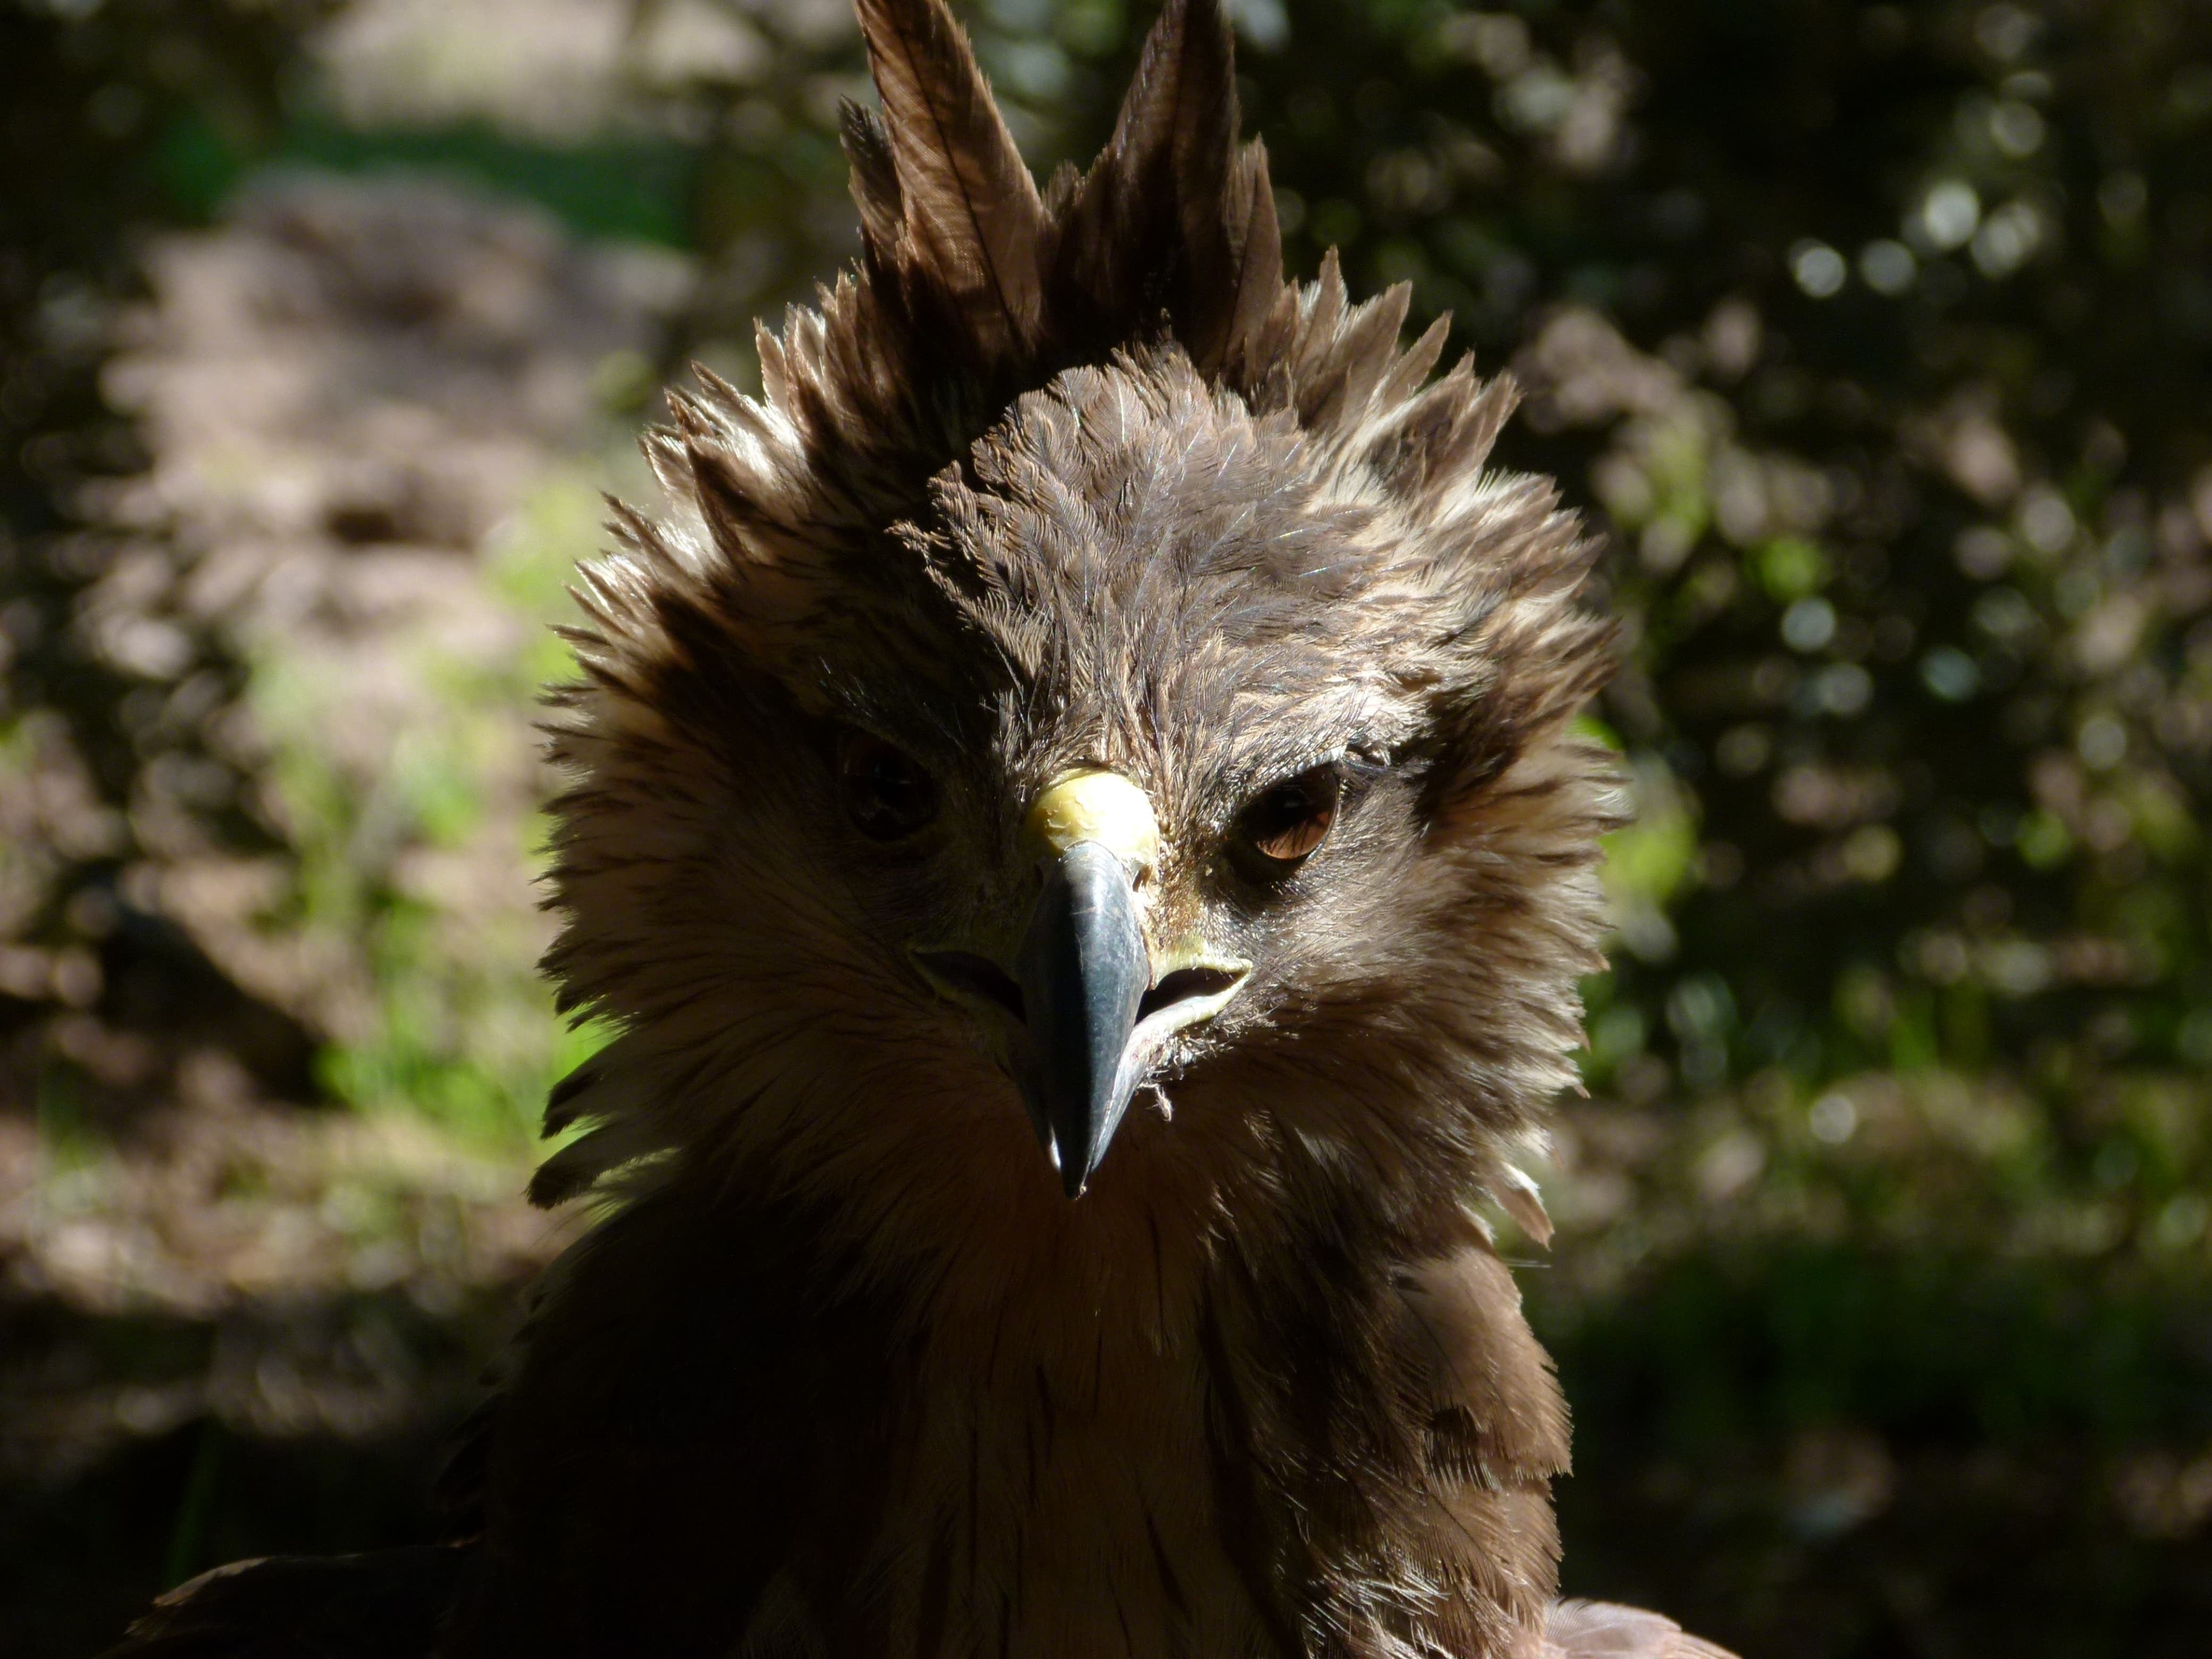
[{"x": 973, "y": 289}]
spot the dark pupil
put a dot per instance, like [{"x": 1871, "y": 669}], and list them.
[
  {"x": 1282, "y": 810},
  {"x": 1290, "y": 820},
  {"x": 887, "y": 794}
]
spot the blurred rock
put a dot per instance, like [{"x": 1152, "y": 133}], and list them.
[
  {"x": 301, "y": 1266},
  {"x": 348, "y": 390},
  {"x": 556, "y": 71}
]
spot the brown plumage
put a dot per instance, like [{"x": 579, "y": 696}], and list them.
[{"x": 1087, "y": 639}]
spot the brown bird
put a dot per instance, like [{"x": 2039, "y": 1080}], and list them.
[{"x": 1076, "y": 822}]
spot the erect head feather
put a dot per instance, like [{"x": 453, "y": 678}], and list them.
[
  {"x": 973, "y": 289},
  {"x": 1173, "y": 223}
]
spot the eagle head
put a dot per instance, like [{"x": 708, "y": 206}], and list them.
[{"x": 1096, "y": 698}]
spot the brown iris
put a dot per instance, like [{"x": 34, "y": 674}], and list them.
[
  {"x": 1286, "y": 822},
  {"x": 886, "y": 793}
]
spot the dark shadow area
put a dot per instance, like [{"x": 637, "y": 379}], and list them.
[
  {"x": 83, "y": 1561},
  {"x": 141, "y": 1451},
  {"x": 1809, "y": 1453}
]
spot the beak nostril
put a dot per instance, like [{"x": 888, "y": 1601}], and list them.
[{"x": 1184, "y": 984}]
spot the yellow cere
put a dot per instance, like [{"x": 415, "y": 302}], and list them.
[{"x": 1095, "y": 806}]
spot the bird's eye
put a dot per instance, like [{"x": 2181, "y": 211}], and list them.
[
  {"x": 887, "y": 794},
  {"x": 1284, "y": 824}
]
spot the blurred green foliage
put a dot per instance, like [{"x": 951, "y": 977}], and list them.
[{"x": 461, "y": 1029}]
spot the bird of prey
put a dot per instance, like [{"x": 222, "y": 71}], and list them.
[{"x": 1077, "y": 822}]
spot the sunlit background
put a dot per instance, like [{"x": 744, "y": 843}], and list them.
[{"x": 1877, "y": 339}]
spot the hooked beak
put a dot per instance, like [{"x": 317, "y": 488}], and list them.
[
  {"x": 1099, "y": 1005},
  {"x": 1084, "y": 970}
]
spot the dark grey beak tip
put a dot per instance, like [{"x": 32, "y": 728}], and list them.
[
  {"x": 1073, "y": 1178},
  {"x": 1084, "y": 970}
]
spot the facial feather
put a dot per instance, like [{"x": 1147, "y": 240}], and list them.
[{"x": 1130, "y": 570}]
